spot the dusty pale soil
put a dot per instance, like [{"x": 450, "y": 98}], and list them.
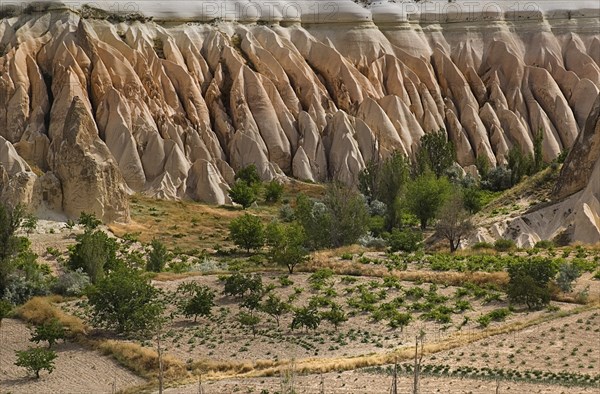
[
  {"x": 222, "y": 338},
  {"x": 567, "y": 344},
  {"x": 359, "y": 382},
  {"x": 77, "y": 370}
]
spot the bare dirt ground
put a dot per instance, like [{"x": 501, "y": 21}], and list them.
[
  {"x": 359, "y": 382},
  {"x": 78, "y": 369},
  {"x": 222, "y": 338},
  {"x": 567, "y": 344}
]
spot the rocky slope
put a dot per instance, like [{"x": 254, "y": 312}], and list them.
[{"x": 312, "y": 90}]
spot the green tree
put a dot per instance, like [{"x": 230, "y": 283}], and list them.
[
  {"x": 273, "y": 191},
  {"x": 315, "y": 218},
  {"x": 249, "y": 320},
  {"x": 95, "y": 252},
  {"x": 125, "y": 300},
  {"x": 50, "y": 331},
  {"x": 528, "y": 282},
  {"x": 275, "y": 307},
  {"x": 384, "y": 181},
  {"x": 11, "y": 220},
  {"x": 335, "y": 315},
  {"x": 349, "y": 214},
  {"x": 306, "y": 317},
  {"x": 425, "y": 195},
  {"x": 195, "y": 300},
  {"x": 247, "y": 231},
  {"x": 454, "y": 222},
  {"x": 238, "y": 284},
  {"x": 286, "y": 244},
  {"x": 435, "y": 153},
  {"x": 158, "y": 256},
  {"x": 242, "y": 193},
  {"x": 36, "y": 359}
]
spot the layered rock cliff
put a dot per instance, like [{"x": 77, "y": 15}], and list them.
[{"x": 174, "y": 106}]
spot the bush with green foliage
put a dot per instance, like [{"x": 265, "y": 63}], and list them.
[
  {"x": 238, "y": 284},
  {"x": 528, "y": 281},
  {"x": 50, "y": 331},
  {"x": 544, "y": 244},
  {"x": 286, "y": 244},
  {"x": 249, "y": 320},
  {"x": 273, "y": 191},
  {"x": 29, "y": 278},
  {"x": 306, "y": 317},
  {"x": 504, "y": 245},
  {"x": 335, "y": 315},
  {"x": 242, "y": 193},
  {"x": 71, "y": 283},
  {"x": 405, "y": 240},
  {"x": 340, "y": 219},
  {"x": 36, "y": 360},
  {"x": 247, "y": 232},
  {"x": 194, "y": 300},
  {"x": 567, "y": 274},
  {"x": 425, "y": 195},
  {"x": 158, "y": 256},
  {"x": 497, "y": 179},
  {"x": 125, "y": 301}
]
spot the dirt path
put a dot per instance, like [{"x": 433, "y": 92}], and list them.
[{"x": 77, "y": 369}]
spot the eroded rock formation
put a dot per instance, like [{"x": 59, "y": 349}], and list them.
[{"x": 173, "y": 109}]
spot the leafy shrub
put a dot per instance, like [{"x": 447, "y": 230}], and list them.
[
  {"x": 504, "y": 245},
  {"x": 247, "y": 231},
  {"x": 482, "y": 245},
  {"x": 286, "y": 213},
  {"x": 529, "y": 280},
  {"x": 238, "y": 284},
  {"x": 36, "y": 359},
  {"x": 242, "y": 193},
  {"x": 544, "y": 244},
  {"x": 50, "y": 331},
  {"x": 498, "y": 179},
  {"x": 195, "y": 300},
  {"x": 71, "y": 283},
  {"x": 94, "y": 253},
  {"x": 405, "y": 240},
  {"x": 306, "y": 317},
  {"x": 273, "y": 191},
  {"x": 125, "y": 301},
  {"x": 158, "y": 256},
  {"x": 567, "y": 274},
  {"x": 248, "y": 174}
]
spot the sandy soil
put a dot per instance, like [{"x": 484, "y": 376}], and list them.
[
  {"x": 77, "y": 369},
  {"x": 221, "y": 338},
  {"x": 568, "y": 344},
  {"x": 358, "y": 382}
]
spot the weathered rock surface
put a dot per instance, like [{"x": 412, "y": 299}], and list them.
[{"x": 173, "y": 109}]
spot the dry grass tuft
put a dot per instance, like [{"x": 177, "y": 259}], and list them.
[
  {"x": 141, "y": 360},
  {"x": 41, "y": 309}
]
